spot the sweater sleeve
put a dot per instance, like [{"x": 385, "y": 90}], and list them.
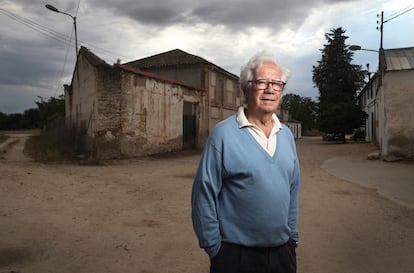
[
  {"x": 206, "y": 187},
  {"x": 294, "y": 196},
  {"x": 294, "y": 200}
]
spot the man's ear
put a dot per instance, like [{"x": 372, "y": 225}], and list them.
[{"x": 246, "y": 94}]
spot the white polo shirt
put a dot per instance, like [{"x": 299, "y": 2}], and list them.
[{"x": 268, "y": 144}]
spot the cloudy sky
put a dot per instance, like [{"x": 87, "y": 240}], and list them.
[{"x": 36, "y": 57}]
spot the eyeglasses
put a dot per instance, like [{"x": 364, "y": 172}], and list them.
[{"x": 262, "y": 84}]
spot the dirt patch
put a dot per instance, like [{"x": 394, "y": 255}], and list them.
[
  {"x": 10, "y": 256},
  {"x": 134, "y": 216}
]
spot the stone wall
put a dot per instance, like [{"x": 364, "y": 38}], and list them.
[{"x": 139, "y": 115}]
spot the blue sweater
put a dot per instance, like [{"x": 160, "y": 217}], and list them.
[{"x": 241, "y": 194}]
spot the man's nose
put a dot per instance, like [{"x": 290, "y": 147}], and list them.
[{"x": 269, "y": 88}]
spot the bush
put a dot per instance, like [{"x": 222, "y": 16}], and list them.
[
  {"x": 359, "y": 134},
  {"x": 57, "y": 144}
]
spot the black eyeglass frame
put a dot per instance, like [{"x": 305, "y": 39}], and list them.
[{"x": 277, "y": 85}]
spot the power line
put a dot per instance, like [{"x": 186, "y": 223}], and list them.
[
  {"x": 63, "y": 38},
  {"x": 37, "y": 27},
  {"x": 399, "y": 13},
  {"x": 381, "y": 22},
  {"x": 45, "y": 31},
  {"x": 59, "y": 84},
  {"x": 77, "y": 10}
]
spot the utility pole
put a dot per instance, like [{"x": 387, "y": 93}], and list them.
[{"x": 381, "y": 28}]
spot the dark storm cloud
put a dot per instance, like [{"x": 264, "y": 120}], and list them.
[
  {"x": 236, "y": 14},
  {"x": 271, "y": 14},
  {"x": 156, "y": 16},
  {"x": 32, "y": 64},
  {"x": 28, "y": 65},
  {"x": 154, "y": 13}
]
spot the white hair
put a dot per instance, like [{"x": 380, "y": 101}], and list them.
[{"x": 248, "y": 71}]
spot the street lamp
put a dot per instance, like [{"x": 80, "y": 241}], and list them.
[
  {"x": 52, "y": 8},
  {"x": 357, "y": 47}
]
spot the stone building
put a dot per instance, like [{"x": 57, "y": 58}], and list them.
[
  {"x": 123, "y": 111},
  {"x": 387, "y": 99},
  {"x": 221, "y": 86},
  {"x": 120, "y": 111}
]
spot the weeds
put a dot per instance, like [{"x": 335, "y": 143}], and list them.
[{"x": 55, "y": 145}]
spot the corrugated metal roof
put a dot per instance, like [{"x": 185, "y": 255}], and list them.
[{"x": 399, "y": 58}]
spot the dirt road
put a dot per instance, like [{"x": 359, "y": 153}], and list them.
[{"x": 134, "y": 216}]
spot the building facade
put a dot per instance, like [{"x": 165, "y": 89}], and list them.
[
  {"x": 120, "y": 111},
  {"x": 387, "y": 99},
  {"x": 221, "y": 87},
  {"x": 367, "y": 100}
]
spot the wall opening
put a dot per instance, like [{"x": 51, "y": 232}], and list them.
[{"x": 189, "y": 125}]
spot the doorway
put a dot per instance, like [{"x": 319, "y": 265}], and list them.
[{"x": 189, "y": 125}]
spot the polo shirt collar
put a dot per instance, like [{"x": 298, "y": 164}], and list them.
[{"x": 243, "y": 122}]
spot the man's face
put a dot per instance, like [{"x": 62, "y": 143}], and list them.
[{"x": 264, "y": 98}]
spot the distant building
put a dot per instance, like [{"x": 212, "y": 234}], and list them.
[
  {"x": 367, "y": 100},
  {"x": 294, "y": 125},
  {"x": 387, "y": 99}
]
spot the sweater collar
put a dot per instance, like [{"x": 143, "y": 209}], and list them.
[{"x": 243, "y": 122}]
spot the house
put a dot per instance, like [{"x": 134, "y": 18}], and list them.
[
  {"x": 221, "y": 86},
  {"x": 294, "y": 125},
  {"x": 120, "y": 111},
  {"x": 367, "y": 99},
  {"x": 387, "y": 99}
]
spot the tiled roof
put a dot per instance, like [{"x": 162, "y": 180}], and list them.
[
  {"x": 175, "y": 57},
  {"x": 399, "y": 58},
  {"x": 96, "y": 61},
  {"x": 169, "y": 58}
]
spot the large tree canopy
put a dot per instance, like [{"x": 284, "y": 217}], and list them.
[
  {"x": 302, "y": 109},
  {"x": 338, "y": 82}
]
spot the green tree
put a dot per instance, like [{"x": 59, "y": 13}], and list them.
[
  {"x": 34, "y": 118},
  {"x": 302, "y": 109},
  {"x": 338, "y": 82},
  {"x": 12, "y": 122},
  {"x": 3, "y": 121},
  {"x": 50, "y": 107},
  {"x": 31, "y": 118}
]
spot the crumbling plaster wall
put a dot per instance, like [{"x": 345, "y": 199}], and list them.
[
  {"x": 151, "y": 116},
  {"x": 398, "y": 92}
]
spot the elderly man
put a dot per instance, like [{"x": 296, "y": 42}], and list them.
[{"x": 245, "y": 192}]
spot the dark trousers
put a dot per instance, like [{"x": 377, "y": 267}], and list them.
[{"x": 240, "y": 259}]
